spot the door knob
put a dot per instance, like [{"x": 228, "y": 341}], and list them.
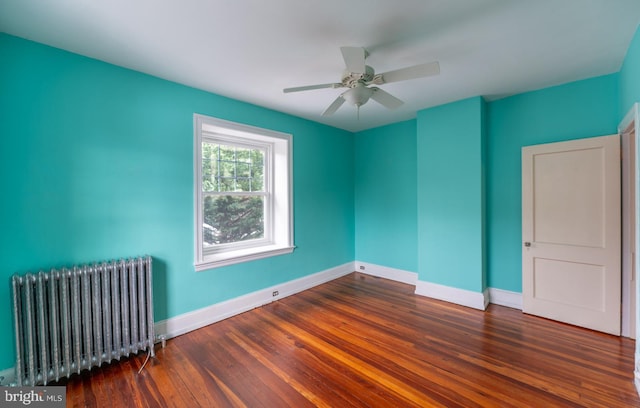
[{"x": 527, "y": 244}]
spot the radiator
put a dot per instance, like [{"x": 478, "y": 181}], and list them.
[{"x": 71, "y": 319}]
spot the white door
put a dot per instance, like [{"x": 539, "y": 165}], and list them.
[{"x": 571, "y": 232}]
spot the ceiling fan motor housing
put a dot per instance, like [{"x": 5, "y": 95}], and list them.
[{"x": 352, "y": 79}]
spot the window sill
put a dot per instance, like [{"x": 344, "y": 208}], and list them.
[{"x": 241, "y": 255}]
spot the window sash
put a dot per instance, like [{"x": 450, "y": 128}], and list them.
[
  {"x": 267, "y": 237},
  {"x": 267, "y": 183},
  {"x": 214, "y": 139}
]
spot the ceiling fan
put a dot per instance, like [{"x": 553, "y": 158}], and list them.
[{"x": 358, "y": 76}]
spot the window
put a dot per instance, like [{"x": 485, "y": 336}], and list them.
[{"x": 242, "y": 193}]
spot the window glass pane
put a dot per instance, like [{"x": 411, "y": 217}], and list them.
[
  {"x": 232, "y": 219},
  {"x": 257, "y": 170},
  {"x": 209, "y": 166},
  {"x": 243, "y": 170},
  {"x": 226, "y": 184},
  {"x": 243, "y": 184},
  {"x": 243, "y": 155},
  {"x": 231, "y": 168},
  {"x": 257, "y": 178}
]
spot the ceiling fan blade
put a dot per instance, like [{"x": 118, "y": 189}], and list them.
[
  {"x": 416, "y": 71},
  {"x": 310, "y": 87},
  {"x": 354, "y": 59},
  {"x": 385, "y": 98},
  {"x": 334, "y": 106}
]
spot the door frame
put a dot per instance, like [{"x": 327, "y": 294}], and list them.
[{"x": 631, "y": 124}]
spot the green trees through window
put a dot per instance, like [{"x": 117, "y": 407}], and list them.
[{"x": 233, "y": 193}]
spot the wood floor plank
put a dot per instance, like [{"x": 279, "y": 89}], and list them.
[{"x": 362, "y": 341}]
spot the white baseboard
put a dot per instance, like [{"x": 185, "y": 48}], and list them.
[
  {"x": 476, "y": 300},
  {"x": 196, "y": 319},
  {"x": 472, "y": 299},
  {"x": 505, "y": 298},
  {"x": 398, "y": 275}
]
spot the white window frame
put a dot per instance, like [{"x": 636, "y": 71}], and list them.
[{"x": 278, "y": 233}]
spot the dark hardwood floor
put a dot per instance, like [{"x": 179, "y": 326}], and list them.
[{"x": 361, "y": 341}]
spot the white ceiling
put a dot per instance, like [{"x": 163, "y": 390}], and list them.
[{"x": 251, "y": 49}]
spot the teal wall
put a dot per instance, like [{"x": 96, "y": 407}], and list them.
[
  {"x": 450, "y": 148},
  {"x": 385, "y": 196},
  {"x": 630, "y": 76},
  {"x": 96, "y": 162},
  {"x": 572, "y": 111}
]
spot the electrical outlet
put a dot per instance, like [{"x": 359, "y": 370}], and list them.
[
  {"x": 362, "y": 267},
  {"x": 275, "y": 293}
]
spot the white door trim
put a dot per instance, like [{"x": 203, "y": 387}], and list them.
[
  {"x": 628, "y": 125},
  {"x": 632, "y": 118}
]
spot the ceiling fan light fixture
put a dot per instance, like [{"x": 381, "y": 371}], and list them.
[{"x": 359, "y": 95}]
